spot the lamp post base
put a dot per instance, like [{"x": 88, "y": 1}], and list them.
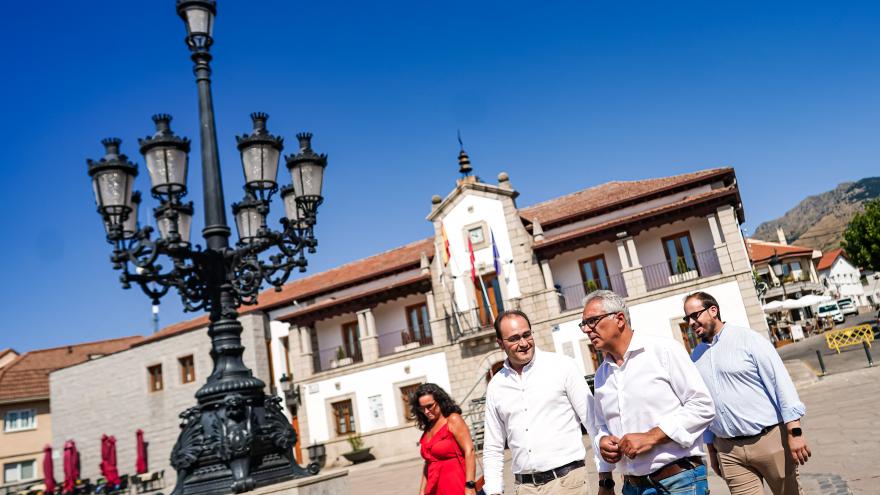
[{"x": 234, "y": 446}]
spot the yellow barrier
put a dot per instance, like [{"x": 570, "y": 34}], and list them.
[{"x": 845, "y": 337}]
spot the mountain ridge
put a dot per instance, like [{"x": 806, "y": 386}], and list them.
[{"x": 818, "y": 221}]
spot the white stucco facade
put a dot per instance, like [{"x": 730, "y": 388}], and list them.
[
  {"x": 844, "y": 279},
  {"x": 374, "y": 393},
  {"x": 470, "y": 211}
]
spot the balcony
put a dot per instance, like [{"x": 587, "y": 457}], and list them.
[
  {"x": 336, "y": 357},
  {"x": 795, "y": 283},
  {"x": 572, "y": 297},
  {"x": 666, "y": 274},
  {"x": 403, "y": 340}
]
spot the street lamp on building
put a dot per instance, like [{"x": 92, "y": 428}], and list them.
[
  {"x": 236, "y": 437},
  {"x": 779, "y": 270}
]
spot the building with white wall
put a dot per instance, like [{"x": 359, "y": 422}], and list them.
[
  {"x": 346, "y": 346},
  {"x": 841, "y": 278}
]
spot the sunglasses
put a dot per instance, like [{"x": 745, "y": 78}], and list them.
[
  {"x": 592, "y": 321},
  {"x": 694, "y": 315}
]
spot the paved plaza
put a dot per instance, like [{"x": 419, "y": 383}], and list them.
[{"x": 839, "y": 425}]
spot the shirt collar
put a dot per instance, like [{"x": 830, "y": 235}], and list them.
[
  {"x": 719, "y": 334},
  {"x": 637, "y": 343}
]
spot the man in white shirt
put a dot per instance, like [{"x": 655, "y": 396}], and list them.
[
  {"x": 652, "y": 407},
  {"x": 536, "y": 403}
]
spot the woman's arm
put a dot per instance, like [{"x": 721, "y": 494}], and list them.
[{"x": 462, "y": 435}]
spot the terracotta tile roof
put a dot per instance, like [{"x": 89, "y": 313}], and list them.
[
  {"x": 763, "y": 250},
  {"x": 590, "y": 229},
  {"x": 28, "y": 376},
  {"x": 828, "y": 259},
  {"x": 406, "y": 281},
  {"x": 177, "y": 328},
  {"x": 612, "y": 195},
  {"x": 356, "y": 272},
  {"x": 376, "y": 266}
]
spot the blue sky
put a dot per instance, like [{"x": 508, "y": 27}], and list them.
[{"x": 561, "y": 95}]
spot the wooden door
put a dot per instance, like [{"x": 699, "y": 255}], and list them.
[{"x": 491, "y": 298}]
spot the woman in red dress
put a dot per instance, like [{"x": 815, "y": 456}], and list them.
[{"x": 445, "y": 444}]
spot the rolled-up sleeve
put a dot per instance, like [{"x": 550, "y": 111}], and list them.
[
  {"x": 493, "y": 449},
  {"x": 686, "y": 425},
  {"x": 777, "y": 381}
]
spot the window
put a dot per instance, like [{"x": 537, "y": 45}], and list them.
[
  {"x": 344, "y": 417},
  {"x": 351, "y": 341},
  {"x": 155, "y": 373},
  {"x": 596, "y": 356},
  {"x": 18, "y": 471},
  {"x": 187, "y": 369},
  {"x": 689, "y": 338},
  {"x": 418, "y": 325},
  {"x": 285, "y": 347},
  {"x": 489, "y": 302},
  {"x": 405, "y": 393},
  {"x": 680, "y": 254},
  {"x": 22, "y": 419},
  {"x": 594, "y": 273}
]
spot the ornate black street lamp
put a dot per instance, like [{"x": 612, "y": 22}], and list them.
[{"x": 236, "y": 438}]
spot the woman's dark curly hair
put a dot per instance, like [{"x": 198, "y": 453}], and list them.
[{"x": 447, "y": 405}]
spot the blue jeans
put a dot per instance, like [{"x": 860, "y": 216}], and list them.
[{"x": 690, "y": 482}]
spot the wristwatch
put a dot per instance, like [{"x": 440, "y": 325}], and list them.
[
  {"x": 606, "y": 483},
  {"x": 796, "y": 432},
  {"x": 470, "y": 484}
]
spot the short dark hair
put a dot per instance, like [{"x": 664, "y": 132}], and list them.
[
  {"x": 510, "y": 313},
  {"x": 446, "y": 403},
  {"x": 707, "y": 299}
]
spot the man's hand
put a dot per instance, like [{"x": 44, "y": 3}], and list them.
[
  {"x": 713, "y": 458},
  {"x": 800, "y": 452},
  {"x": 609, "y": 448},
  {"x": 633, "y": 444}
]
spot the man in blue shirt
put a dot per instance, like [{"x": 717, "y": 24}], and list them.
[{"x": 756, "y": 434}]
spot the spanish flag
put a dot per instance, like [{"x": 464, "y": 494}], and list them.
[{"x": 445, "y": 239}]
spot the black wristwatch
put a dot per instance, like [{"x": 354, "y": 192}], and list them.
[
  {"x": 470, "y": 484},
  {"x": 796, "y": 432},
  {"x": 606, "y": 483}
]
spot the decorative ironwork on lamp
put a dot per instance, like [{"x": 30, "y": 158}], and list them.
[{"x": 236, "y": 437}]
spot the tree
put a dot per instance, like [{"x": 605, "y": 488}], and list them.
[{"x": 861, "y": 239}]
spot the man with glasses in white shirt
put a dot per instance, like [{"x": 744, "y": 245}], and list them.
[
  {"x": 757, "y": 433},
  {"x": 652, "y": 407},
  {"x": 535, "y": 403}
]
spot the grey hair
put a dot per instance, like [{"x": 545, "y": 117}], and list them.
[{"x": 611, "y": 302}]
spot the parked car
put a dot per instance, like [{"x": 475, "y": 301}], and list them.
[
  {"x": 847, "y": 306},
  {"x": 831, "y": 310}
]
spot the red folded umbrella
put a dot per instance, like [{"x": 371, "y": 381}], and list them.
[
  {"x": 141, "y": 464},
  {"x": 71, "y": 467},
  {"x": 48, "y": 469},
  {"x": 108, "y": 460}
]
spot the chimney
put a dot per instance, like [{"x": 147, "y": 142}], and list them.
[{"x": 781, "y": 235}]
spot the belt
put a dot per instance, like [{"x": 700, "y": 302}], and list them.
[
  {"x": 671, "y": 469},
  {"x": 756, "y": 435},
  {"x": 547, "y": 476}
]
